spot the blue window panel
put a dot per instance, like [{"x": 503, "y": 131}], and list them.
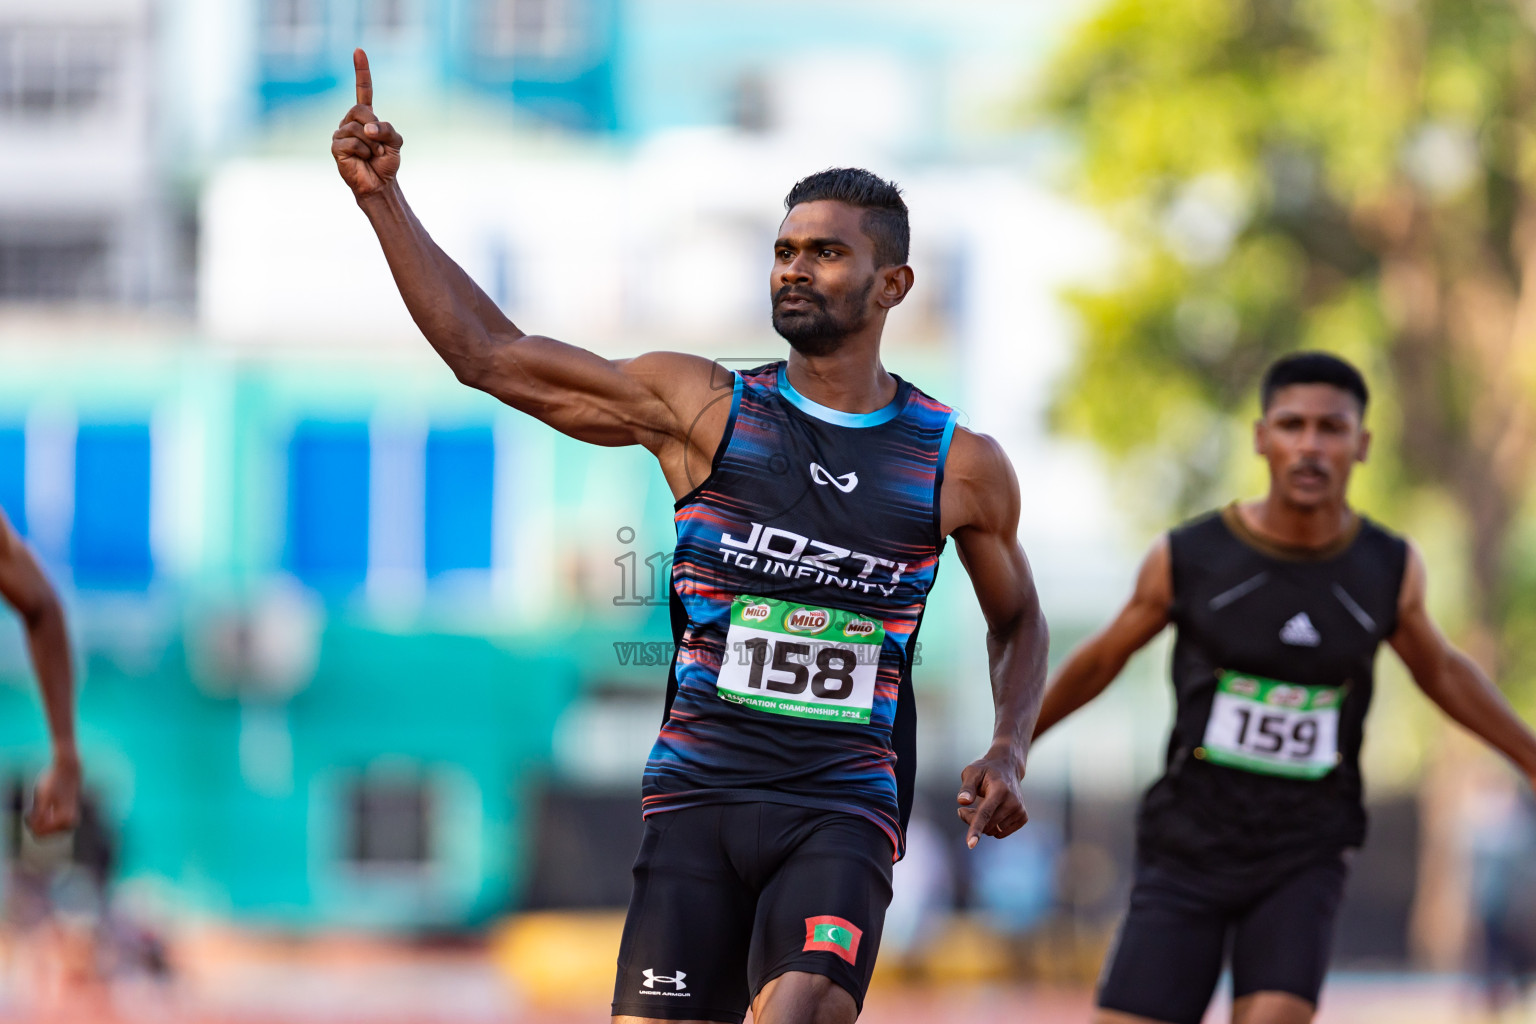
[
  {"x": 328, "y": 505},
  {"x": 283, "y": 90},
  {"x": 13, "y": 475},
  {"x": 461, "y": 470},
  {"x": 109, "y": 545}
]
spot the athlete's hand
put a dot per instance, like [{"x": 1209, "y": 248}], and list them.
[
  {"x": 56, "y": 800},
  {"x": 990, "y": 801},
  {"x": 367, "y": 150}
]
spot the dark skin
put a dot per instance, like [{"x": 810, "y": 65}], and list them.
[
  {"x": 56, "y": 798},
  {"x": 1312, "y": 437},
  {"x": 676, "y": 406}
]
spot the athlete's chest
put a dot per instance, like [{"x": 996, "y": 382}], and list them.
[
  {"x": 797, "y": 505},
  {"x": 1297, "y": 621},
  {"x": 787, "y": 466}
]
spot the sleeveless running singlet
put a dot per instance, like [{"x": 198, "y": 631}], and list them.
[
  {"x": 803, "y": 563},
  {"x": 1273, "y": 673}
]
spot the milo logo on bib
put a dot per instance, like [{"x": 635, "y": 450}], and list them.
[
  {"x": 756, "y": 612},
  {"x": 807, "y": 620},
  {"x": 800, "y": 661},
  {"x": 1289, "y": 696}
]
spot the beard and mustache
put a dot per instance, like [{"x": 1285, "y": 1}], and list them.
[{"x": 820, "y": 328}]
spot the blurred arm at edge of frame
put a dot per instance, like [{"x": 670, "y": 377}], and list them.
[{"x": 56, "y": 799}]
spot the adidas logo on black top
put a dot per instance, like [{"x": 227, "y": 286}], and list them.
[{"x": 1299, "y": 632}]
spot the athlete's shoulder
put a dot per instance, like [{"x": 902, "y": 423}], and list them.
[
  {"x": 1203, "y": 526},
  {"x": 680, "y": 378},
  {"x": 980, "y": 487},
  {"x": 925, "y": 401},
  {"x": 766, "y": 375},
  {"x": 662, "y": 363},
  {"x": 1373, "y": 531},
  {"x": 1378, "y": 546},
  {"x": 1202, "y": 547},
  {"x": 978, "y": 457}
]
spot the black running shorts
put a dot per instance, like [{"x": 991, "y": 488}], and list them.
[
  {"x": 1168, "y": 956},
  {"x": 728, "y": 897}
]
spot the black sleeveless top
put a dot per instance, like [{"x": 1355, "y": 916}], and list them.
[{"x": 1242, "y": 604}]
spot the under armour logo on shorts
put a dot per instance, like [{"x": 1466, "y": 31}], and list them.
[{"x": 675, "y": 980}]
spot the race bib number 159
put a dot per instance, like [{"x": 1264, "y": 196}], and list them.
[
  {"x": 1273, "y": 728},
  {"x": 801, "y": 660}
]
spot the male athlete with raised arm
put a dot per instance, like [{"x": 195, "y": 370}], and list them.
[
  {"x": 56, "y": 798},
  {"x": 1279, "y": 606},
  {"x": 814, "y": 496}
]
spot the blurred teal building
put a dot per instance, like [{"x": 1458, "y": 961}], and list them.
[
  {"x": 302, "y": 699},
  {"x": 553, "y": 58}
]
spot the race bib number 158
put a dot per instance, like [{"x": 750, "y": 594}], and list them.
[
  {"x": 1273, "y": 728},
  {"x": 801, "y": 660}
]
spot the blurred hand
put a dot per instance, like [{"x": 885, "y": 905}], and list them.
[
  {"x": 56, "y": 800},
  {"x": 990, "y": 801},
  {"x": 367, "y": 150}
]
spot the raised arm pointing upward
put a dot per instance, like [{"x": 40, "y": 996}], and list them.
[
  {"x": 665, "y": 401},
  {"x": 814, "y": 497}
]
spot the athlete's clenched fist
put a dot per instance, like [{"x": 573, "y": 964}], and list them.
[{"x": 367, "y": 150}]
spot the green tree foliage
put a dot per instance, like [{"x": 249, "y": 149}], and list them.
[{"x": 1352, "y": 175}]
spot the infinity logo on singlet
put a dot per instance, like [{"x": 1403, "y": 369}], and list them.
[
  {"x": 845, "y": 483},
  {"x": 652, "y": 979}
]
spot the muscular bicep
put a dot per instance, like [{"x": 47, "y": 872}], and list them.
[
  {"x": 1000, "y": 575},
  {"x": 648, "y": 400},
  {"x": 980, "y": 505}
]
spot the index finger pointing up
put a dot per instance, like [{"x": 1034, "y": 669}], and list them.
[{"x": 364, "y": 78}]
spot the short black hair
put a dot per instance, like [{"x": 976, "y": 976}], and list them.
[
  {"x": 885, "y": 213},
  {"x": 1312, "y": 368}
]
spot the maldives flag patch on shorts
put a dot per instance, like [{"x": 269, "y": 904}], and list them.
[{"x": 833, "y": 935}]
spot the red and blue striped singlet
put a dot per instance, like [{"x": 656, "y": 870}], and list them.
[{"x": 802, "y": 567}]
